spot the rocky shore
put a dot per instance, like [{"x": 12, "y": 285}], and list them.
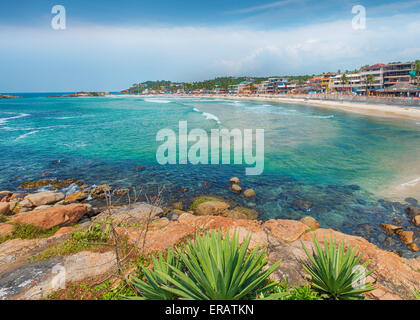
[
  {"x": 82, "y": 94},
  {"x": 8, "y": 96},
  {"x": 85, "y": 234}
]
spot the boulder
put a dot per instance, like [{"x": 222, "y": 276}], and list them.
[
  {"x": 416, "y": 221},
  {"x": 4, "y": 193},
  {"x": 212, "y": 208},
  {"x": 4, "y": 207},
  {"x": 76, "y": 197},
  {"x": 406, "y": 237},
  {"x": 236, "y": 188},
  {"x": 41, "y": 198},
  {"x": 413, "y": 247},
  {"x": 389, "y": 228},
  {"x": 248, "y": 193},
  {"x": 6, "y": 229},
  {"x": 55, "y": 184},
  {"x": 304, "y": 205},
  {"x": 100, "y": 191},
  {"x": 286, "y": 230},
  {"x": 412, "y": 211},
  {"x": 52, "y": 217},
  {"x": 234, "y": 180},
  {"x": 310, "y": 222}
]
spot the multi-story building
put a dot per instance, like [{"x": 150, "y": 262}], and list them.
[
  {"x": 353, "y": 82},
  {"x": 233, "y": 89},
  {"x": 376, "y": 72},
  {"x": 398, "y": 72}
]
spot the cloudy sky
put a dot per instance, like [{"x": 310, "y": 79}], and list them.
[{"x": 108, "y": 45}]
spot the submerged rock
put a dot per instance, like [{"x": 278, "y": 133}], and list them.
[
  {"x": 389, "y": 228},
  {"x": 100, "y": 191},
  {"x": 234, "y": 180},
  {"x": 242, "y": 213},
  {"x": 212, "y": 208},
  {"x": 236, "y": 188},
  {"x": 55, "y": 184},
  {"x": 412, "y": 211},
  {"x": 178, "y": 205},
  {"x": 249, "y": 193},
  {"x": 76, "y": 197},
  {"x": 304, "y": 205}
]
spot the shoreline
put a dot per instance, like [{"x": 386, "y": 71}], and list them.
[{"x": 369, "y": 109}]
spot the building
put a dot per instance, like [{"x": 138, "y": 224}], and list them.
[
  {"x": 374, "y": 72},
  {"x": 398, "y": 72},
  {"x": 353, "y": 83}
]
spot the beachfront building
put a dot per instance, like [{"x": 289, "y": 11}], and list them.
[
  {"x": 326, "y": 82},
  {"x": 372, "y": 77},
  {"x": 233, "y": 89},
  {"x": 263, "y": 87},
  {"x": 346, "y": 82},
  {"x": 398, "y": 72}
]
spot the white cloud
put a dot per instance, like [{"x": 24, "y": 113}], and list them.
[{"x": 114, "y": 57}]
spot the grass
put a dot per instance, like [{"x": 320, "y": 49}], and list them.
[
  {"x": 28, "y": 231},
  {"x": 93, "y": 237}
]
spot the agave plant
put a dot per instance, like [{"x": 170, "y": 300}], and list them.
[
  {"x": 213, "y": 268},
  {"x": 152, "y": 289},
  {"x": 337, "y": 272}
]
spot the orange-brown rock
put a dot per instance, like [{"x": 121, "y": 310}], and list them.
[
  {"x": 6, "y": 229},
  {"x": 389, "y": 228},
  {"x": 248, "y": 193},
  {"x": 63, "y": 230},
  {"x": 4, "y": 207},
  {"x": 406, "y": 237},
  {"x": 310, "y": 222},
  {"x": 211, "y": 208},
  {"x": 413, "y": 247},
  {"x": 42, "y": 198},
  {"x": 76, "y": 197},
  {"x": 287, "y": 230},
  {"x": 55, "y": 216},
  {"x": 416, "y": 221},
  {"x": 236, "y": 188}
]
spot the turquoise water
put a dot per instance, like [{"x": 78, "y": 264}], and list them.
[{"x": 339, "y": 161}]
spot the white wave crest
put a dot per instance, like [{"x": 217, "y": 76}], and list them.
[
  {"x": 22, "y": 136},
  {"x": 157, "y": 100},
  {"x": 19, "y": 115}
]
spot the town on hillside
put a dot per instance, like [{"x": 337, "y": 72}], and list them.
[{"x": 396, "y": 79}]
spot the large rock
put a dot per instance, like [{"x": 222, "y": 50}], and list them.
[
  {"x": 6, "y": 229},
  {"x": 134, "y": 213},
  {"x": 287, "y": 230},
  {"x": 42, "y": 198},
  {"x": 412, "y": 211},
  {"x": 212, "y": 208},
  {"x": 310, "y": 222},
  {"x": 100, "y": 191},
  {"x": 389, "y": 228},
  {"x": 416, "y": 221},
  {"x": 4, "y": 207},
  {"x": 406, "y": 237},
  {"x": 55, "y": 216}
]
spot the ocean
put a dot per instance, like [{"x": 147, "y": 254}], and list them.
[{"x": 339, "y": 161}]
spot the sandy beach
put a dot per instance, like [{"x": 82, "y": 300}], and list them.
[{"x": 379, "y": 110}]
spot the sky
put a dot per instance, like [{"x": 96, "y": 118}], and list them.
[{"x": 109, "y": 45}]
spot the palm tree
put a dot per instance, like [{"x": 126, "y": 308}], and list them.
[
  {"x": 344, "y": 80},
  {"x": 370, "y": 79}
]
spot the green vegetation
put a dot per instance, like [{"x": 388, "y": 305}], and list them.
[
  {"x": 417, "y": 294},
  {"x": 334, "y": 271},
  {"x": 210, "y": 268},
  {"x": 201, "y": 199},
  {"x": 28, "y": 231},
  {"x": 55, "y": 184},
  {"x": 283, "y": 291},
  {"x": 91, "y": 238}
]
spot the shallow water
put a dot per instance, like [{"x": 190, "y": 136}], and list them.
[{"x": 339, "y": 161}]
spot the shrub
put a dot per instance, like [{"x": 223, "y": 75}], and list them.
[
  {"x": 334, "y": 271},
  {"x": 210, "y": 268}
]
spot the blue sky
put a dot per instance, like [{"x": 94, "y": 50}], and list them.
[{"x": 108, "y": 45}]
